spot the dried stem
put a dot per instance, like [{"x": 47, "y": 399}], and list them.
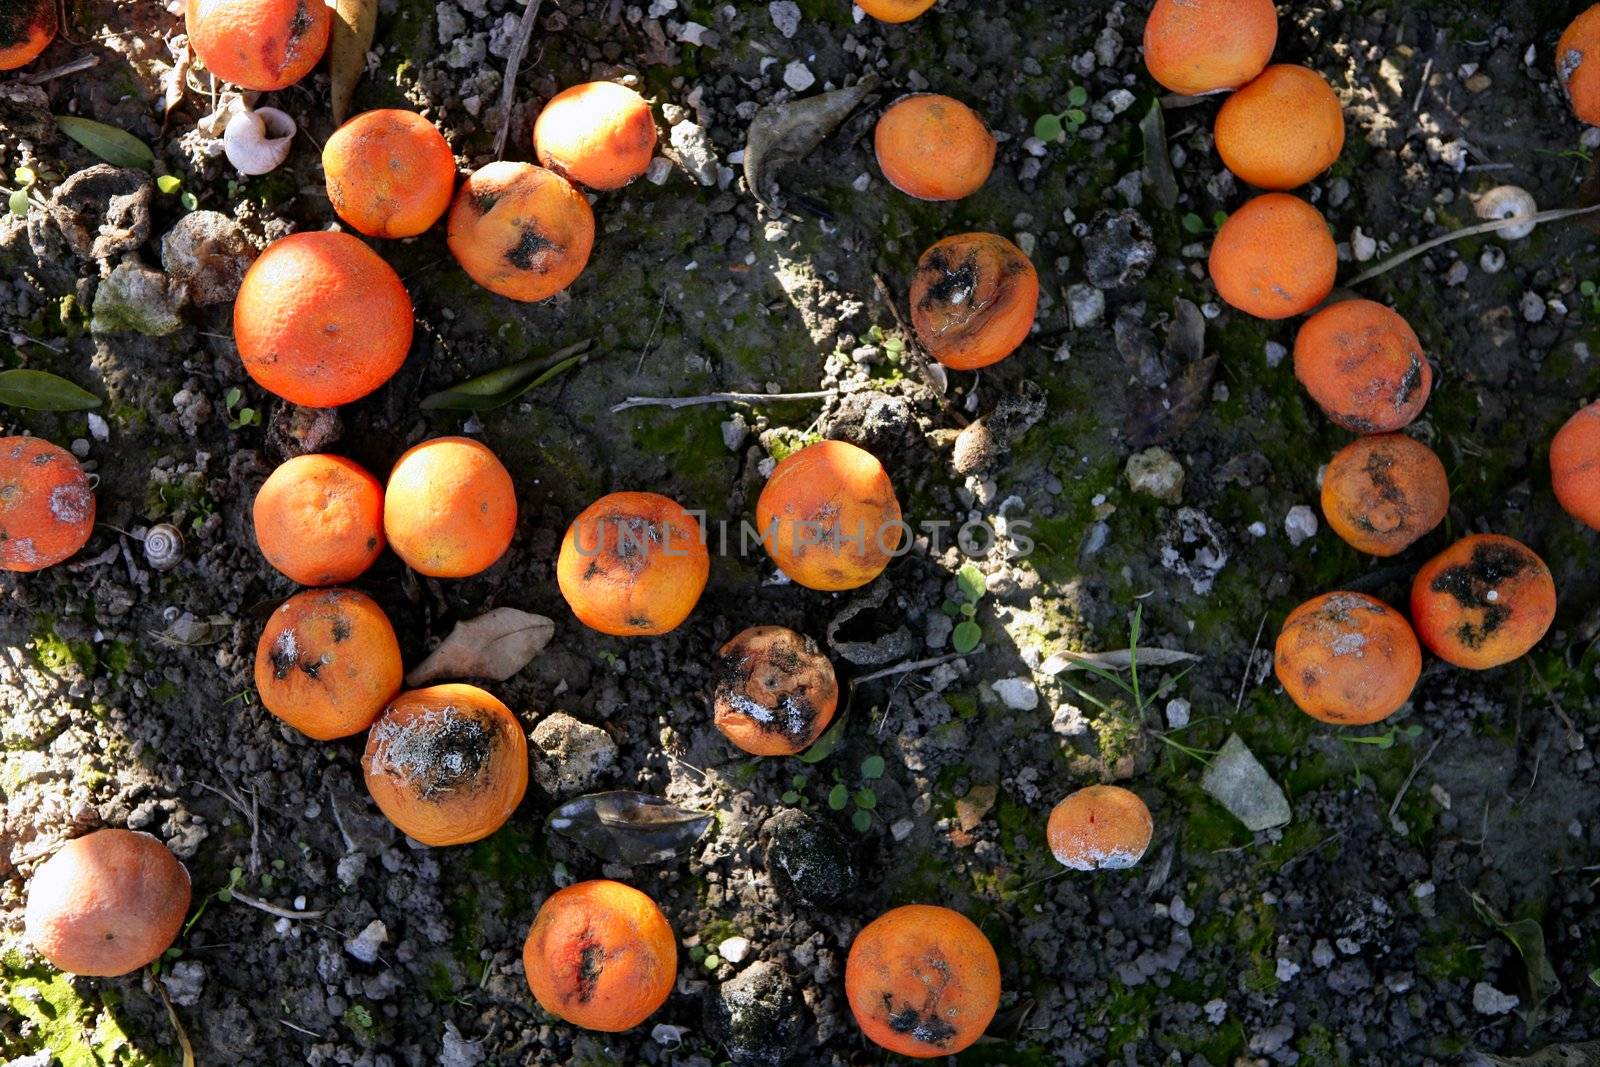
[
  {"x": 1470, "y": 231},
  {"x": 717, "y": 398},
  {"x": 508, "y": 91}
]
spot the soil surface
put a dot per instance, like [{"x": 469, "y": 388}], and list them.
[{"x": 1435, "y": 892}]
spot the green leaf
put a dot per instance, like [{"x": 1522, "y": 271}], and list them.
[
  {"x": 861, "y": 820},
  {"x": 502, "y": 386},
  {"x": 971, "y": 581},
  {"x": 966, "y": 637},
  {"x": 1594, "y": 976},
  {"x": 26, "y": 176},
  {"x": 866, "y": 799},
  {"x": 822, "y": 746},
  {"x": 1077, "y": 96},
  {"x": 1047, "y": 128},
  {"x": 231, "y": 397},
  {"x": 38, "y": 390},
  {"x": 950, "y": 608},
  {"x": 798, "y": 781},
  {"x": 189, "y": 201},
  {"x": 791, "y": 797},
  {"x": 872, "y": 767},
  {"x": 1219, "y": 218},
  {"x": 838, "y": 797},
  {"x": 225, "y": 895},
  {"x": 169, "y": 184},
  {"x": 969, "y": 610},
  {"x": 117, "y": 147},
  {"x": 1076, "y": 118},
  {"x": 1193, "y": 223},
  {"x": 18, "y": 202}
]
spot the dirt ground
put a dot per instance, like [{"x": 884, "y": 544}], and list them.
[{"x": 1434, "y": 895}]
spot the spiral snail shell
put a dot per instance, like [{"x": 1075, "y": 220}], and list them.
[
  {"x": 163, "y": 546},
  {"x": 1509, "y": 202}
]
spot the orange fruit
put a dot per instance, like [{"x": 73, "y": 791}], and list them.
[
  {"x": 1363, "y": 365},
  {"x": 319, "y": 519},
  {"x": 390, "y": 173},
  {"x": 1274, "y": 257},
  {"x": 922, "y": 981},
  {"x": 633, "y": 565},
  {"x": 1207, "y": 46},
  {"x": 1483, "y": 602},
  {"x": 829, "y": 518},
  {"x": 46, "y": 505},
  {"x": 450, "y": 509},
  {"x": 447, "y": 764},
  {"x": 973, "y": 300},
  {"x": 1574, "y": 466},
  {"x": 328, "y": 662},
  {"x": 1100, "y": 827},
  {"x": 258, "y": 44},
  {"x": 775, "y": 692},
  {"x": 601, "y": 956},
  {"x": 1579, "y": 77},
  {"x": 1381, "y": 493},
  {"x": 26, "y": 28},
  {"x": 1281, "y": 130},
  {"x": 894, "y": 10},
  {"x": 1347, "y": 659},
  {"x": 598, "y": 134},
  {"x": 321, "y": 320},
  {"x": 933, "y": 147},
  {"x": 107, "y": 904},
  {"x": 521, "y": 231}
]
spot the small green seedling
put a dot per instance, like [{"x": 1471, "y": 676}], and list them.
[
  {"x": 967, "y": 633},
  {"x": 1055, "y": 127},
  {"x": 1591, "y": 293},
  {"x": 239, "y": 417},
  {"x": 864, "y": 798},
  {"x": 1194, "y": 224},
  {"x": 25, "y": 180}
]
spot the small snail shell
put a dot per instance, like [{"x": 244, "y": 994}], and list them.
[
  {"x": 163, "y": 546},
  {"x": 1509, "y": 202},
  {"x": 258, "y": 142}
]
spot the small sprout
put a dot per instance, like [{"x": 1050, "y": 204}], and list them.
[
  {"x": 169, "y": 184},
  {"x": 1055, "y": 127},
  {"x": 866, "y": 799},
  {"x": 872, "y": 768},
  {"x": 239, "y": 417},
  {"x": 861, "y": 820},
  {"x": 968, "y": 634},
  {"x": 838, "y": 797}
]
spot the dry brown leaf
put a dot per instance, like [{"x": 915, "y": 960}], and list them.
[
  {"x": 495, "y": 645},
  {"x": 971, "y": 808},
  {"x": 354, "y": 23}
]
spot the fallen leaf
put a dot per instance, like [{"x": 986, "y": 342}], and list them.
[
  {"x": 175, "y": 81},
  {"x": 117, "y": 147},
  {"x": 785, "y": 132},
  {"x": 354, "y": 23},
  {"x": 622, "y": 826},
  {"x": 1528, "y": 937},
  {"x": 971, "y": 808},
  {"x": 39, "y": 390},
  {"x": 1164, "y": 413},
  {"x": 495, "y": 645},
  {"x": 1584, "y": 1055},
  {"x": 505, "y": 384},
  {"x": 1157, "y": 158},
  {"x": 1118, "y": 660}
]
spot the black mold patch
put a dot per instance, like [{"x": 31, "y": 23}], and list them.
[
  {"x": 591, "y": 962},
  {"x": 951, "y": 278},
  {"x": 923, "y": 1026},
  {"x": 1470, "y": 583},
  {"x": 529, "y": 251}
]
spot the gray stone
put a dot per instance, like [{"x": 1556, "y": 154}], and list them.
[
  {"x": 1487, "y": 1000},
  {"x": 1086, "y": 305},
  {"x": 364, "y": 946},
  {"x": 206, "y": 256},
  {"x": 1300, "y": 525},
  {"x": 1239, "y": 783},
  {"x": 695, "y": 150},
  {"x": 1119, "y": 249},
  {"x": 1018, "y": 694},
  {"x": 785, "y": 16},
  {"x": 1156, "y": 472},
  {"x": 568, "y": 755},
  {"x": 135, "y": 299}
]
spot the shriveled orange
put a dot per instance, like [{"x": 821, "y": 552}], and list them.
[
  {"x": 598, "y": 134},
  {"x": 973, "y": 300},
  {"x": 1574, "y": 466},
  {"x": 774, "y": 691},
  {"x": 829, "y": 518},
  {"x": 1274, "y": 257},
  {"x": 633, "y": 564},
  {"x": 1363, "y": 365},
  {"x": 922, "y": 981},
  {"x": 107, "y": 903},
  {"x": 450, "y": 509},
  {"x": 933, "y": 147},
  {"x": 521, "y": 231},
  {"x": 26, "y": 28},
  {"x": 600, "y": 955},
  {"x": 46, "y": 505},
  {"x": 1483, "y": 602},
  {"x": 1381, "y": 493},
  {"x": 258, "y": 44},
  {"x": 328, "y": 662},
  {"x": 321, "y": 320},
  {"x": 447, "y": 764},
  {"x": 390, "y": 173},
  {"x": 1578, "y": 65},
  {"x": 894, "y": 10},
  {"x": 1281, "y": 130},
  {"x": 1207, "y": 46},
  {"x": 1347, "y": 659},
  {"x": 319, "y": 519},
  {"x": 1100, "y": 828}
]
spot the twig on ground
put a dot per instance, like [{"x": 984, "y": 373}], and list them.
[
  {"x": 300, "y": 1029},
  {"x": 1394, "y": 808},
  {"x": 73, "y": 67},
  {"x": 661, "y": 311},
  {"x": 716, "y": 398},
  {"x": 1250, "y": 664},
  {"x": 273, "y": 909},
  {"x": 251, "y": 813},
  {"x": 1409, "y": 254},
  {"x": 333, "y": 806},
  {"x": 1422, "y": 90},
  {"x": 906, "y": 668},
  {"x": 172, "y": 1014},
  {"x": 508, "y": 90}
]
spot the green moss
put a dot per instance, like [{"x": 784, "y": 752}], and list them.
[
  {"x": 79, "y": 1031},
  {"x": 58, "y": 655}
]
